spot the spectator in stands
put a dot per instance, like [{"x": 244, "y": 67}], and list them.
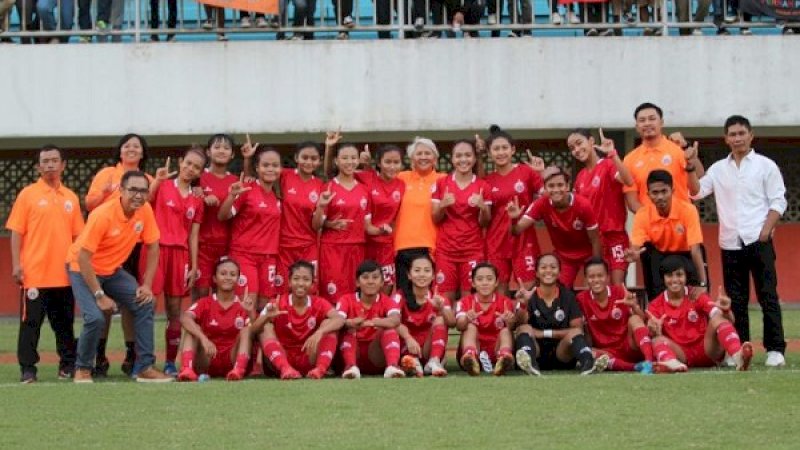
[
  {"x": 667, "y": 226},
  {"x": 751, "y": 198},
  {"x": 344, "y": 16},
  {"x": 658, "y": 152},
  {"x": 109, "y": 16},
  {"x": 261, "y": 20},
  {"x": 456, "y": 14},
  {"x": 28, "y": 20},
  {"x": 684, "y": 9},
  {"x": 383, "y": 15},
  {"x": 592, "y": 12},
  {"x": 155, "y": 19},
  {"x": 742, "y": 17},
  {"x": 44, "y": 220},
  {"x": 304, "y": 11},
  {"x": 5, "y": 7},
  {"x": 66, "y": 9}
]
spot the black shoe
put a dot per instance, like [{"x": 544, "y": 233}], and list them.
[
  {"x": 101, "y": 368},
  {"x": 28, "y": 377},
  {"x": 66, "y": 373},
  {"x": 127, "y": 365}
]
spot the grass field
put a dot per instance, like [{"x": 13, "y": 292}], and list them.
[{"x": 702, "y": 409}]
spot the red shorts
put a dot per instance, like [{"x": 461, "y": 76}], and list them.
[
  {"x": 365, "y": 365},
  {"x": 509, "y": 270},
  {"x": 207, "y": 258},
  {"x": 454, "y": 273},
  {"x": 222, "y": 363},
  {"x": 171, "y": 273},
  {"x": 383, "y": 254},
  {"x": 570, "y": 268},
  {"x": 614, "y": 245},
  {"x": 696, "y": 355},
  {"x": 625, "y": 352},
  {"x": 257, "y": 273},
  {"x": 288, "y": 256},
  {"x": 299, "y": 360},
  {"x": 337, "y": 268}
]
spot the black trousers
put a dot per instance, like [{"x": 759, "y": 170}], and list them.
[
  {"x": 402, "y": 263},
  {"x": 651, "y": 262},
  {"x": 758, "y": 260},
  {"x": 59, "y": 307}
]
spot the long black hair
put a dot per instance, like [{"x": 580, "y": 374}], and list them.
[
  {"x": 142, "y": 142},
  {"x": 408, "y": 289}
]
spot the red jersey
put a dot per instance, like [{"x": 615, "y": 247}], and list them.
[
  {"x": 607, "y": 326},
  {"x": 686, "y": 323},
  {"x": 221, "y": 326},
  {"x": 347, "y": 204},
  {"x": 350, "y": 307},
  {"x": 604, "y": 191},
  {"x": 418, "y": 322},
  {"x": 567, "y": 228},
  {"x": 523, "y": 183},
  {"x": 293, "y": 328},
  {"x": 385, "y": 197},
  {"x": 299, "y": 201},
  {"x": 459, "y": 231},
  {"x": 175, "y": 213},
  {"x": 212, "y": 230},
  {"x": 489, "y": 322},
  {"x": 256, "y": 221}
]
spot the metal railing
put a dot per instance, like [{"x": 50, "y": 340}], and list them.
[{"x": 57, "y": 21}]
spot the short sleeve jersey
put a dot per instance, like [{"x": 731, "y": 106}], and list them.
[
  {"x": 108, "y": 176},
  {"x": 256, "y": 221},
  {"x": 351, "y": 307},
  {"x": 522, "y": 183},
  {"x": 686, "y": 323},
  {"x": 350, "y": 204},
  {"x": 385, "y": 199},
  {"x": 299, "y": 201},
  {"x": 459, "y": 231},
  {"x": 418, "y": 321},
  {"x": 603, "y": 190},
  {"x": 557, "y": 316},
  {"x": 293, "y": 329},
  {"x": 608, "y": 326},
  {"x": 212, "y": 230},
  {"x": 175, "y": 213},
  {"x": 488, "y": 321},
  {"x": 220, "y": 325},
  {"x": 567, "y": 228}
]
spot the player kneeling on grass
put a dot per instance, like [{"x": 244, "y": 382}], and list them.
[
  {"x": 214, "y": 325},
  {"x": 614, "y": 321},
  {"x": 551, "y": 335},
  {"x": 425, "y": 318},
  {"x": 693, "y": 332},
  {"x": 485, "y": 320},
  {"x": 369, "y": 340},
  {"x": 297, "y": 331}
]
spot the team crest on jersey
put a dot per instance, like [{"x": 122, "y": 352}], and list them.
[
  {"x": 519, "y": 187},
  {"x": 396, "y": 298},
  {"x": 666, "y": 160},
  {"x": 313, "y": 196},
  {"x": 440, "y": 277},
  {"x": 596, "y": 181},
  {"x": 278, "y": 281},
  {"x": 537, "y": 313},
  {"x": 242, "y": 280},
  {"x": 32, "y": 294},
  {"x": 473, "y": 200},
  {"x": 433, "y": 188},
  {"x": 363, "y": 203},
  {"x": 396, "y": 196},
  {"x": 68, "y": 206},
  {"x": 559, "y": 315},
  {"x": 499, "y": 322},
  {"x": 190, "y": 213},
  {"x": 239, "y": 323},
  {"x": 692, "y": 316},
  {"x": 331, "y": 288},
  {"x": 679, "y": 228},
  {"x": 431, "y": 317},
  {"x": 138, "y": 227},
  {"x": 578, "y": 224},
  {"x": 616, "y": 313},
  {"x": 312, "y": 322}
]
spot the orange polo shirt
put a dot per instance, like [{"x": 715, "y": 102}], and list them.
[
  {"x": 48, "y": 220},
  {"x": 674, "y": 233},
  {"x": 666, "y": 155},
  {"x": 414, "y": 225},
  {"x": 107, "y": 176},
  {"x": 111, "y": 236}
]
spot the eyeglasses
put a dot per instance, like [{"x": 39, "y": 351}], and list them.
[{"x": 134, "y": 192}]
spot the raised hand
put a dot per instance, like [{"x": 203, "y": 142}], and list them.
[
  {"x": 723, "y": 301},
  {"x": 480, "y": 144},
  {"x": 535, "y": 162},
  {"x": 506, "y": 316},
  {"x": 333, "y": 137},
  {"x": 632, "y": 254},
  {"x": 238, "y": 187},
  {"x": 326, "y": 197},
  {"x": 163, "y": 173},
  {"x": 448, "y": 199},
  {"x": 365, "y": 157},
  {"x": 208, "y": 348},
  {"x": 655, "y": 324},
  {"x": 606, "y": 146},
  {"x": 472, "y": 316},
  {"x": 630, "y": 299},
  {"x": 248, "y": 149},
  {"x": 513, "y": 209},
  {"x": 477, "y": 200},
  {"x": 692, "y": 151},
  {"x": 678, "y": 139},
  {"x": 247, "y": 302},
  {"x": 523, "y": 295}
]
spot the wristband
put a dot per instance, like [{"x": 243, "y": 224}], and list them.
[{"x": 547, "y": 333}]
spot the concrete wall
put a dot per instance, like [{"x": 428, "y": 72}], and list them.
[{"x": 178, "y": 89}]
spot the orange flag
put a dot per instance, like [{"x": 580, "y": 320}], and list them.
[{"x": 259, "y": 6}]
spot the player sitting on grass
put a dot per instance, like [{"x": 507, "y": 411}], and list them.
[
  {"x": 550, "y": 336},
  {"x": 614, "y": 321},
  {"x": 692, "y": 332},
  {"x": 485, "y": 319},
  {"x": 369, "y": 341},
  {"x": 297, "y": 331},
  {"x": 214, "y": 325}
]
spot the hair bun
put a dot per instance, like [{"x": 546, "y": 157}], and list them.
[{"x": 494, "y": 128}]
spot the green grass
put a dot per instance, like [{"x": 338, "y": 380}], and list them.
[{"x": 701, "y": 409}]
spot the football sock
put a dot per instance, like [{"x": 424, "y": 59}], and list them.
[
  {"x": 348, "y": 348},
  {"x": 240, "y": 366},
  {"x": 728, "y": 338},
  {"x": 390, "y": 342},
  {"x": 581, "y": 351},
  {"x": 438, "y": 341},
  {"x": 663, "y": 352},
  {"x": 101, "y": 348},
  {"x": 274, "y": 352},
  {"x": 173, "y": 337},
  {"x": 187, "y": 359},
  {"x": 130, "y": 350},
  {"x": 642, "y": 336},
  {"x": 620, "y": 365},
  {"x": 325, "y": 351}
]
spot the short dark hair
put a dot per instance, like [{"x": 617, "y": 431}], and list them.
[
  {"x": 672, "y": 264},
  {"x": 307, "y": 144},
  {"x": 483, "y": 265},
  {"x": 367, "y": 266},
  {"x": 301, "y": 264},
  {"x": 595, "y": 261},
  {"x": 737, "y": 120},
  {"x": 133, "y": 174},
  {"x": 648, "y": 105},
  {"x": 50, "y": 148},
  {"x": 221, "y": 137},
  {"x": 659, "y": 176},
  {"x": 142, "y": 141}
]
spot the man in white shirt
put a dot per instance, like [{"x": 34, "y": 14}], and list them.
[{"x": 751, "y": 198}]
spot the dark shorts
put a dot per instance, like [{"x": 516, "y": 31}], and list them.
[{"x": 546, "y": 356}]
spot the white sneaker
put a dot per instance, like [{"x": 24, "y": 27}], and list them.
[
  {"x": 607, "y": 33},
  {"x": 353, "y": 373},
  {"x": 743, "y": 356},
  {"x": 524, "y": 362},
  {"x": 592, "y": 32},
  {"x": 556, "y": 19},
  {"x": 486, "y": 362},
  {"x": 731, "y": 19},
  {"x": 261, "y": 22},
  {"x": 573, "y": 18},
  {"x": 775, "y": 359},
  {"x": 419, "y": 23},
  {"x": 434, "y": 367},
  {"x": 348, "y": 22},
  {"x": 492, "y": 19},
  {"x": 746, "y": 32},
  {"x": 343, "y": 36},
  {"x": 393, "y": 372},
  {"x": 600, "y": 364},
  {"x": 672, "y": 365},
  {"x": 697, "y": 32},
  {"x": 245, "y": 22},
  {"x": 729, "y": 361}
]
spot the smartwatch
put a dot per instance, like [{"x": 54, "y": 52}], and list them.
[{"x": 98, "y": 294}]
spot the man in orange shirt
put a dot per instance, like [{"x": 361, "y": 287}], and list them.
[
  {"x": 95, "y": 266},
  {"x": 659, "y": 152},
  {"x": 667, "y": 226},
  {"x": 44, "y": 220}
]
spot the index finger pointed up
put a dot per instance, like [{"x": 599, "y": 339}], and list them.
[
  {"x": 248, "y": 140},
  {"x": 530, "y": 154},
  {"x": 166, "y": 164},
  {"x": 602, "y": 136},
  {"x": 241, "y": 177}
]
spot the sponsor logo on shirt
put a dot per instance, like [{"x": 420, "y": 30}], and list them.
[
  {"x": 242, "y": 280},
  {"x": 396, "y": 298},
  {"x": 594, "y": 317},
  {"x": 440, "y": 277},
  {"x": 291, "y": 191},
  {"x": 68, "y": 206},
  {"x": 363, "y": 203},
  {"x": 207, "y": 189},
  {"x": 375, "y": 193},
  {"x": 639, "y": 163},
  {"x": 312, "y": 322},
  {"x": 114, "y": 232},
  {"x": 495, "y": 189},
  {"x": 331, "y": 288},
  {"x": 170, "y": 203},
  {"x": 262, "y": 204},
  {"x": 213, "y": 323},
  {"x": 42, "y": 203},
  {"x": 340, "y": 201}
]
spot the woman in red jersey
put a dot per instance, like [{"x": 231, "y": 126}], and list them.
[
  {"x": 485, "y": 319},
  {"x": 369, "y": 341},
  {"x": 425, "y": 318},
  {"x": 213, "y": 327},
  {"x": 461, "y": 208},
  {"x": 178, "y": 213},
  {"x": 600, "y": 181}
]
